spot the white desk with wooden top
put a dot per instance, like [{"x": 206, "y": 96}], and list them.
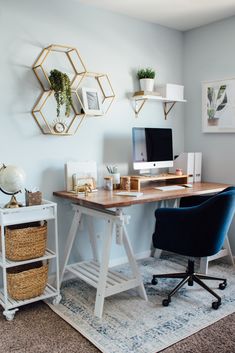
[{"x": 109, "y": 207}]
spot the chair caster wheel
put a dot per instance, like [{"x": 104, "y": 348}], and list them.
[
  {"x": 190, "y": 283},
  {"x": 216, "y": 305},
  {"x": 222, "y": 286},
  {"x": 154, "y": 281},
  {"x": 166, "y": 302}
]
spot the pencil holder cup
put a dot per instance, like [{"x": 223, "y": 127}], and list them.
[
  {"x": 33, "y": 198},
  {"x": 116, "y": 180}
]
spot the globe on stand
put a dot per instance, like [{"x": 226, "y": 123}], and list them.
[{"x": 12, "y": 180}]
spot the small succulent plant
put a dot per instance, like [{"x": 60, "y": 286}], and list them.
[{"x": 145, "y": 73}]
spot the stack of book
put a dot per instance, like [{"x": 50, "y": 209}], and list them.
[{"x": 146, "y": 93}]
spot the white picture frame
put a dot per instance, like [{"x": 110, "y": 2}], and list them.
[
  {"x": 91, "y": 101},
  {"x": 218, "y": 106}
]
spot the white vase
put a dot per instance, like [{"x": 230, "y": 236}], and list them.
[{"x": 146, "y": 84}]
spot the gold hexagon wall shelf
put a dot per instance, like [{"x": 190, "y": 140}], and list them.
[
  {"x": 103, "y": 85},
  {"x": 72, "y": 58},
  {"x": 57, "y": 126},
  {"x": 76, "y": 70}
]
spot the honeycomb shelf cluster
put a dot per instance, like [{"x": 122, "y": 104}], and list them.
[{"x": 79, "y": 76}]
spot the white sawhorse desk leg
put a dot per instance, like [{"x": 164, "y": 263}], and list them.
[
  {"x": 100, "y": 293},
  {"x": 133, "y": 264},
  {"x": 70, "y": 240},
  {"x": 92, "y": 238},
  {"x": 107, "y": 282}
]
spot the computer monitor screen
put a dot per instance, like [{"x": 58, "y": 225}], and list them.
[{"x": 152, "y": 148}]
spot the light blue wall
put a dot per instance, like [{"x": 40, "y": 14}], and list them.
[
  {"x": 109, "y": 43},
  {"x": 209, "y": 54}
]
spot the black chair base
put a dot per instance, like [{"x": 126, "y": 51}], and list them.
[{"x": 190, "y": 277}]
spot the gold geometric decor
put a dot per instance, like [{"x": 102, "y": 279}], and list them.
[
  {"x": 103, "y": 85},
  {"x": 56, "y": 125},
  {"x": 68, "y": 60}
]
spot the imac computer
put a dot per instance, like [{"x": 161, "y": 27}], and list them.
[{"x": 152, "y": 148}]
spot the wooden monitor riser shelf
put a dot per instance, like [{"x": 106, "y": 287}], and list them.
[{"x": 163, "y": 179}]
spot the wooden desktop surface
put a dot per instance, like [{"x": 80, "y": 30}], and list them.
[{"x": 103, "y": 199}]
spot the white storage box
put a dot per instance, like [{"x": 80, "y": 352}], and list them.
[{"x": 171, "y": 91}]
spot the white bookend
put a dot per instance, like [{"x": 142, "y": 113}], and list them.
[
  {"x": 171, "y": 91},
  {"x": 184, "y": 161},
  {"x": 197, "y": 176}
]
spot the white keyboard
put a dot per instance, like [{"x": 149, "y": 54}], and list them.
[
  {"x": 129, "y": 193},
  {"x": 169, "y": 187}
]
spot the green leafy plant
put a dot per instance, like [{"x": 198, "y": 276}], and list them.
[
  {"x": 60, "y": 83},
  {"x": 145, "y": 73}
]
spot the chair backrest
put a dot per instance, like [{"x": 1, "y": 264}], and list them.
[
  {"x": 198, "y": 230},
  {"x": 218, "y": 214},
  {"x": 229, "y": 188},
  {"x": 198, "y": 199}
]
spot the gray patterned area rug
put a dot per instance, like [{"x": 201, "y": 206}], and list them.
[{"x": 132, "y": 325}]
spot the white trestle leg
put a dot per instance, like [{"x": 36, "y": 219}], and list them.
[
  {"x": 106, "y": 281},
  {"x": 100, "y": 293}
]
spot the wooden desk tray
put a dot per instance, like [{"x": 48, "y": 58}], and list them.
[{"x": 138, "y": 181}]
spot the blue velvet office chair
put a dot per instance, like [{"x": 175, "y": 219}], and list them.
[{"x": 196, "y": 229}]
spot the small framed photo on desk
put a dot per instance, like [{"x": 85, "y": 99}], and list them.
[
  {"x": 80, "y": 182},
  {"x": 91, "y": 101}
]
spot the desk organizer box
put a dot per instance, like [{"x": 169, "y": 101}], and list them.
[
  {"x": 27, "y": 281},
  {"x": 25, "y": 241},
  {"x": 33, "y": 198}
]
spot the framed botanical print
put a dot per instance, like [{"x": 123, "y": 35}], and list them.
[{"x": 218, "y": 106}]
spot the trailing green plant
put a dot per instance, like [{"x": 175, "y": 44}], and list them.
[
  {"x": 145, "y": 73},
  {"x": 60, "y": 83}
]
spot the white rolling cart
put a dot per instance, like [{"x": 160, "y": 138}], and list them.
[{"x": 46, "y": 211}]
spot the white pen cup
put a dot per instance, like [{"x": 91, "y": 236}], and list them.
[{"x": 116, "y": 180}]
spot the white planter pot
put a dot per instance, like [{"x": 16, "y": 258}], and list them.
[{"x": 146, "y": 84}]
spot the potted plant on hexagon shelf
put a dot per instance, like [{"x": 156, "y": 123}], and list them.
[
  {"x": 60, "y": 84},
  {"x": 146, "y": 77}
]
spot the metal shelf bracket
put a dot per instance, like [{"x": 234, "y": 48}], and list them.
[{"x": 167, "y": 106}]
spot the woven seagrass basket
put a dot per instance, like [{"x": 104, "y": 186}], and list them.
[
  {"x": 27, "y": 281},
  {"x": 25, "y": 241}
]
